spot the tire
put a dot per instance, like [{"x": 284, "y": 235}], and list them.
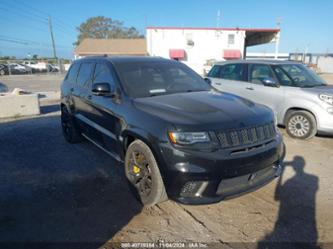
[
  {"x": 301, "y": 125},
  {"x": 2, "y": 72},
  {"x": 70, "y": 130},
  {"x": 143, "y": 174}
]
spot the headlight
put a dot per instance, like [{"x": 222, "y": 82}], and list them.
[
  {"x": 188, "y": 138},
  {"x": 327, "y": 98}
]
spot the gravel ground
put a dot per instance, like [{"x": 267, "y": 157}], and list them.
[{"x": 55, "y": 192}]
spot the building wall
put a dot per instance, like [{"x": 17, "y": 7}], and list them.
[
  {"x": 208, "y": 44},
  {"x": 325, "y": 64}
]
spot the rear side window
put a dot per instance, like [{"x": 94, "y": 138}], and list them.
[
  {"x": 233, "y": 72},
  {"x": 72, "y": 74},
  {"x": 103, "y": 74},
  {"x": 260, "y": 72},
  {"x": 85, "y": 72},
  {"x": 229, "y": 72}
]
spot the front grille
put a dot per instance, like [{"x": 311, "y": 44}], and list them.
[{"x": 246, "y": 136}]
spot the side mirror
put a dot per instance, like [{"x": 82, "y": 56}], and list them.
[
  {"x": 208, "y": 81},
  {"x": 270, "y": 82},
  {"x": 103, "y": 89}
]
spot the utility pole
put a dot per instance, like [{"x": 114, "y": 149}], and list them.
[
  {"x": 52, "y": 38},
  {"x": 218, "y": 18},
  {"x": 277, "y": 37}
]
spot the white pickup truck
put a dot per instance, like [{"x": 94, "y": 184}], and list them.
[{"x": 38, "y": 66}]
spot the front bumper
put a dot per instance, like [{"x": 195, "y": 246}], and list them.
[
  {"x": 324, "y": 120},
  {"x": 208, "y": 177}
]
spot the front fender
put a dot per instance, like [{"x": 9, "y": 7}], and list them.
[{"x": 149, "y": 139}]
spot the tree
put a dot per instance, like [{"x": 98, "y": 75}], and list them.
[
  {"x": 102, "y": 27},
  {"x": 35, "y": 57}
]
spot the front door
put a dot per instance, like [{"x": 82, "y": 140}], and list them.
[
  {"x": 270, "y": 96},
  {"x": 103, "y": 109}
]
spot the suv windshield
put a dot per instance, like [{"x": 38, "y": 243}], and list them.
[
  {"x": 297, "y": 75},
  {"x": 144, "y": 79}
]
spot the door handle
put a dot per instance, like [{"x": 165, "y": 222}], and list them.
[
  {"x": 72, "y": 89},
  {"x": 249, "y": 88},
  {"x": 89, "y": 97},
  {"x": 218, "y": 84}
]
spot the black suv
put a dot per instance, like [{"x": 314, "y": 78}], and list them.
[{"x": 178, "y": 137}]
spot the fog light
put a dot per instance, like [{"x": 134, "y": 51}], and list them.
[
  {"x": 193, "y": 188},
  {"x": 278, "y": 169}
]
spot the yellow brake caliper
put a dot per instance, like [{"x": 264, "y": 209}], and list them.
[{"x": 136, "y": 169}]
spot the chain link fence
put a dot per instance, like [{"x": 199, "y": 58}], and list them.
[{"x": 20, "y": 67}]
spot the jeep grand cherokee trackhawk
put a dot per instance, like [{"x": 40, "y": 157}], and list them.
[{"x": 178, "y": 137}]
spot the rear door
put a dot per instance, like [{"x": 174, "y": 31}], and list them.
[
  {"x": 229, "y": 78},
  {"x": 80, "y": 95}
]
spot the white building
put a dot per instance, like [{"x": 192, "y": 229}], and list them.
[{"x": 198, "y": 47}]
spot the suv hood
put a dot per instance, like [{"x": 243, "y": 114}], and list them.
[{"x": 207, "y": 110}]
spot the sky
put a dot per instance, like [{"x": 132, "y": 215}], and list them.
[{"x": 306, "y": 25}]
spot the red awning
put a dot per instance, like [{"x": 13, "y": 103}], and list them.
[
  {"x": 177, "y": 53},
  {"x": 231, "y": 54}
]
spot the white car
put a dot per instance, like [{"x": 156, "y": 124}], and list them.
[{"x": 38, "y": 66}]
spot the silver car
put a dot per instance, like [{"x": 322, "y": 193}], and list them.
[{"x": 302, "y": 101}]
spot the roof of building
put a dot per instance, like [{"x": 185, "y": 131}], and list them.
[
  {"x": 92, "y": 46},
  {"x": 209, "y": 28},
  {"x": 254, "y": 36}
]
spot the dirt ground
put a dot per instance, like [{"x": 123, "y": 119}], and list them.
[
  {"x": 328, "y": 78},
  {"x": 55, "y": 192}
]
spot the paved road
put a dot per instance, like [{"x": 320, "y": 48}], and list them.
[
  {"x": 35, "y": 82},
  {"x": 52, "y": 191}
]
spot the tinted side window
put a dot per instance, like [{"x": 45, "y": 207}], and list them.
[
  {"x": 84, "y": 77},
  {"x": 214, "y": 72},
  {"x": 72, "y": 74},
  {"x": 233, "y": 72},
  {"x": 260, "y": 72},
  {"x": 102, "y": 74}
]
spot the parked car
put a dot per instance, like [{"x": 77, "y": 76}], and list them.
[
  {"x": 36, "y": 66},
  {"x": 3, "y": 88},
  {"x": 178, "y": 137},
  {"x": 52, "y": 68},
  {"x": 3, "y": 69},
  {"x": 302, "y": 101},
  {"x": 16, "y": 68}
]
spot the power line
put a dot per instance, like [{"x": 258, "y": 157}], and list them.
[
  {"x": 36, "y": 17},
  {"x": 63, "y": 32},
  {"x": 15, "y": 12},
  {"x": 16, "y": 6},
  {"x": 9, "y": 20},
  {"x": 56, "y": 20},
  {"x": 28, "y": 42}
]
